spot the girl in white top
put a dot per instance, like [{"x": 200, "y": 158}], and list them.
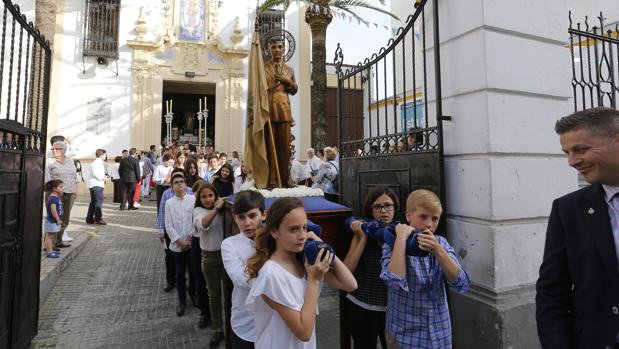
[
  {"x": 284, "y": 292},
  {"x": 209, "y": 226},
  {"x": 242, "y": 178}
]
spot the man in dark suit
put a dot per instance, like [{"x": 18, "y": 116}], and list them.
[
  {"x": 578, "y": 287},
  {"x": 129, "y": 172}
]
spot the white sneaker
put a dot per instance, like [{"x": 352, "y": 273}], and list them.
[
  {"x": 137, "y": 204},
  {"x": 66, "y": 237}
]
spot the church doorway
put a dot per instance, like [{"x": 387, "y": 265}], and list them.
[{"x": 185, "y": 99}]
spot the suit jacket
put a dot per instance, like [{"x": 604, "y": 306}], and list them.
[
  {"x": 129, "y": 170},
  {"x": 578, "y": 287}
]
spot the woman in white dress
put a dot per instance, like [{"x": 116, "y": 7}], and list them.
[{"x": 284, "y": 292}]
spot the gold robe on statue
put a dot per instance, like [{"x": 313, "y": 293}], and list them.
[{"x": 281, "y": 120}]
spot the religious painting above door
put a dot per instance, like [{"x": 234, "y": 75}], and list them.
[{"x": 191, "y": 21}]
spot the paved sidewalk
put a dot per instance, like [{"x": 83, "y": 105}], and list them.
[{"x": 111, "y": 296}]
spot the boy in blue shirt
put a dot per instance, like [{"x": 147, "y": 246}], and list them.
[{"x": 417, "y": 311}]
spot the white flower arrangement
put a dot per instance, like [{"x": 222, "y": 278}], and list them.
[{"x": 297, "y": 192}]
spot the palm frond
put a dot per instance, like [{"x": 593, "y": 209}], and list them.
[{"x": 345, "y": 5}]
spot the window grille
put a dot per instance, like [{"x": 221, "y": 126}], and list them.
[{"x": 101, "y": 28}]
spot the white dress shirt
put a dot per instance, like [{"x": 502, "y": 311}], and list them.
[
  {"x": 97, "y": 174},
  {"x": 613, "y": 211},
  {"x": 161, "y": 172},
  {"x": 235, "y": 251},
  {"x": 178, "y": 219},
  {"x": 314, "y": 163}
]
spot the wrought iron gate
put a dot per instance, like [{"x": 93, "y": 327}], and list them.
[
  {"x": 25, "y": 59},
  {"x": 595, "y": 63},
  {"x": 397, "y": 139}
]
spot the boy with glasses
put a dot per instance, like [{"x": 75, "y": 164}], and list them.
[
  {"x": 178, "y": 225},
  {"x": 170, "y": 266}
]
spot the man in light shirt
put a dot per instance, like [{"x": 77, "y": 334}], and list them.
[
  {"x": 178, "y": 225},
  {"x": 96, "y": 184},
  {"x": 235, "y": 251},
  {"x": 313, "y": 162},
  {"x": 161, "y": 176}
]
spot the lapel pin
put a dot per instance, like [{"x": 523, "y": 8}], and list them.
[{"x": 591, "y": 211}]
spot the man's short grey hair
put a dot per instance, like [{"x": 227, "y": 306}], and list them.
[
  {"x": 311, "y": 149},
  {"x": 601, "y": 121},
  {"x": 60, "y": 144}
]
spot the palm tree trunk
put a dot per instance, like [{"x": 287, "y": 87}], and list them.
[
  {"x": 45, "y": 22},
  {"x": 318, "y": 23}
]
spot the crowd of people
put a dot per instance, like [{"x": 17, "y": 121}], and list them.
[{"x": 274, "y": 293}]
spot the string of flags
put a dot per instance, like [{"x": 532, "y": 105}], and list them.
[{"x": 342, "y": 15}]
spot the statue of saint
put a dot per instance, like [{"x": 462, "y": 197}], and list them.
[
  {"x": 188, "y": 122},
  {"x": 281, "y": 84}
]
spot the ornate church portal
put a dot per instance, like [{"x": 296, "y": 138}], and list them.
[{"x": 183, "y": 68}]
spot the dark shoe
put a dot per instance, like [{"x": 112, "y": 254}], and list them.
[
  {"x": 180, "y": 309},
  {"x": 62, "y": 245},
  {"x": 101, "y": 222},
  {"x": 132, "y": 208},
  {"x": 216, "y": 339},
  {"x": 168, "y": 287},
  {"x": 205, "y": 320},
  {"x": 88, "y": 221},
  {"x": 122, "y": 207}
]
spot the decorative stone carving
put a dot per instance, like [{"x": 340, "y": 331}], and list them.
[
  {"x": 144, "y": 74},
  {"x": 165, "y": 40},
  {"x": 236, "y": 89},
  {"x": 191, "y": 55},
  {"x": 168, "y": 35},
  {"x": 213, "y": 26},
  {"x": 237, "y": 34},
  {"x": 140, "y": 26}
]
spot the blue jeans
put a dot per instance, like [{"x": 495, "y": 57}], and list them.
[{"x": 96, "y": 204}]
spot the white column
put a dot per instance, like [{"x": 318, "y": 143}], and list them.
[{"x": 506, "y": 80}]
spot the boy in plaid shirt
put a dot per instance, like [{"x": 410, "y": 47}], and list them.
[{"x": 417, "y": 310}]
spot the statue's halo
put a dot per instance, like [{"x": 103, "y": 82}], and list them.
[{"x": 290, "y": 43}]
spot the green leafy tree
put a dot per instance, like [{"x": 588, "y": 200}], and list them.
[{"x": 318, "y": 22}]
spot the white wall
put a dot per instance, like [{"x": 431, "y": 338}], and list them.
[
  {"x": 76, "y": 89},
  {"x": 506, "y": 80}
]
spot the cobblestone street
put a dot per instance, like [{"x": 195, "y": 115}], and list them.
[{"x": 111, "y": 295}]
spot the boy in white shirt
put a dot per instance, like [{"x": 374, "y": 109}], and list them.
[
  {"x": 161, "y": 176},
  {"x": 235, "y": 251},
  {"x": 178, "y": 225},
  {"x": 96, "y": 183}
]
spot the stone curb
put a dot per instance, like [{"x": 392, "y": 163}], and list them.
[{"x": 51, "y": 269}]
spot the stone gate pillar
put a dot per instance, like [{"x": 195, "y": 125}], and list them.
[{"x": 506, "y": 80}]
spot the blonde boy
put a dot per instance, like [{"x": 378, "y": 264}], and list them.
[{"x": 417, "y": 312}]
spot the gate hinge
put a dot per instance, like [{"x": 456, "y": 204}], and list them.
[{"x": 445, "y": 117}]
